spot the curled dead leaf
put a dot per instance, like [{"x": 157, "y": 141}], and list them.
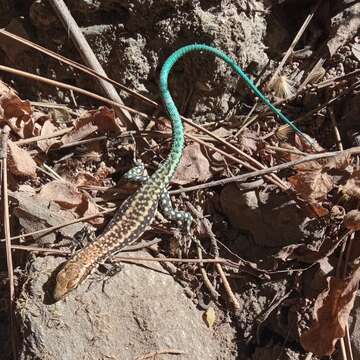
[
  {"x": 248, "y": 141},
  {"x": 339, "y": 162},
  {"x": 68, "y": 196},
  {"x": 352, "y": 186},
  {"x": 20, "y": 161},
  {"x": 63, "y": 193},
  {"x": 352, "y": 220},
  {"x": 19, "y": 115},
  {"x": 194, "y": 166},
  {"x": 14, "y": 107},
  {"x": 48, "y": 128},
  {"x": 97, "y": 179},
  {"x": 88, "y": 208},
  {"x": 331, "y": 312},
  {"x": 313, "y": 186},
  {"x": 102, "y": 120}
]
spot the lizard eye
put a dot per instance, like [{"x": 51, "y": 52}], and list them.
[{"x": 72, "y": 283}]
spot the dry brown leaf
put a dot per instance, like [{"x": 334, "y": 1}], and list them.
[
  {"x": 339, "y": 162},
  {"x": 63, "y": 193},
  {"x": 86, "y": 179},
  {"x": 303, "y": 253},
  {"x": 312, "y": 185},
  {"x": 194, "y": 166},
  {"x": 104, "y": 171},
  {"x": 48, "y": 128},
  {"x": 318, "y": 210},
  {"x": 35, "y": 213},
  {"x": 88, "y": 208},
  {"x": 69, "y": 197},
  {"x": 20, "y": 161},
  {"x": 102, "y": 120},
  {"x": 248, "y": 141},
  {"x": 352, "y": 186},
  {"x": 296, "y": 251},
  {"x": 306, "y": 166},
  {"x": 19, "y": 115},
  {"x": 97, "y": 179},
  {"x": 352, "y": 220},
  {"x": 14, "y": 107},
  {"x": 290, "y": 156},
  {"x": 331, "y": 312}
]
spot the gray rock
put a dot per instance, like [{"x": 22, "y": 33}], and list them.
[
  {"x": 141, "y": 310},
  {"x": 272, "y": 218}
]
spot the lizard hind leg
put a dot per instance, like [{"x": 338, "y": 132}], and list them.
[
  {"x": 138, "y": 175},
  {"x": 184, "y": 219}
]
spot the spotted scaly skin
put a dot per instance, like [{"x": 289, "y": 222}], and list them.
[{"x": 137, "y": 212}]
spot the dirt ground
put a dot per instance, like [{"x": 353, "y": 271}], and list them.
[{"x": 289, "y": 240}]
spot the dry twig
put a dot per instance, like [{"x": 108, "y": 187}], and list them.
[
  {"x": 6, "y": 216},
  {"x": 88, "y": 55}
]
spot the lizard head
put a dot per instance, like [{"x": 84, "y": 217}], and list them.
[{"x": 68, "y": 278}]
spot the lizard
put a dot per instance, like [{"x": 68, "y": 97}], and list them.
[{"x": 137, "y": 212}]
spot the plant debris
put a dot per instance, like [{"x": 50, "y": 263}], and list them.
[{"x": 270, "y": 265}]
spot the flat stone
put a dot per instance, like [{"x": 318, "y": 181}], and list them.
[{"x": 140, "y": 310}]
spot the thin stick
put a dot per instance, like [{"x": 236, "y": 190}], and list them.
[
  {"x": 88, "y": 55},
  {"x": 215, "y": 295},
  {"x": 9, "y": 260},
  {"x": 87, "y": 70},
  {"x": 327, "y": 103},
  {"x": 257, "y": 164},
  {"x": 339, "y": 144},
  {"x": 43, "y": 137},
  {"x": 56, "y": 227},
  {"x": 331, "y": 81},
  {"x": 176, "y": 260},
  {"x": 154, "y": 354},
  {"x": 348, "y": 343},
  {"x": 339, "y": 274},
  {"x": 343, "y": 349},
  {"x": 241, "y": 162},
  {"x": 284, "y": 150},
  {"x": 354, "y": 150},
  {"x": 76, "y": 65},
  {"x": 49, "y": 105},
  {"x": 227, "y": 287},
  {"x": 70, "y": 87},
  {"x": 49, "y": 174},
  {"x": 295, "y": 41},
  {"x": 140, "y": 246},
  {"x": 219, "y": 269},
  {"x": 319, "y": 107},
  {"x": 81, "y": 142}
]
